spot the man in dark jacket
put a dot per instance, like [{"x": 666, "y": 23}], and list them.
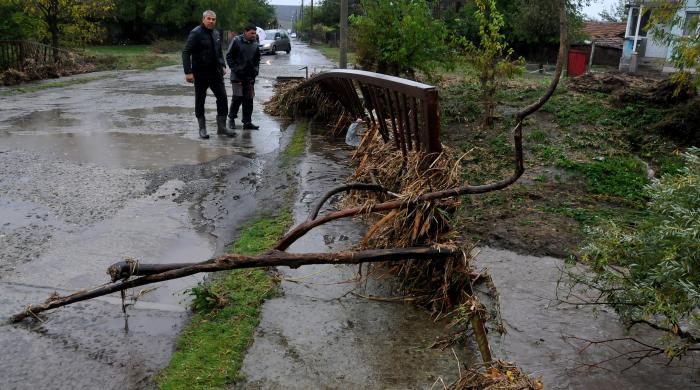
[
  {"x": 243, "y": 58},
  {"x": 204, "y": 65}
]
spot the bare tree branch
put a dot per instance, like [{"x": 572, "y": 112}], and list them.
[{"x": 232, "y": 261}]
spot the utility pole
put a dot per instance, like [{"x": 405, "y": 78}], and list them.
[
  {"x": 311, "y": 23},
  {"x": 343, "y": 34},
  {"x": 301, "y": 19}
]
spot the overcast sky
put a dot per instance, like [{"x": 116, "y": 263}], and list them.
[
  {"x": 596, "y": 7},
  {"x": 591, "y": 11}
]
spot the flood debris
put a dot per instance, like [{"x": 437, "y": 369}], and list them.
[
  {"x": 497, "y": 375},
  {"x": 409, "y": 195},
  {"x": 122, "y": 272},
  {"x": 300, "y": 98},
  {"x": 626, "y": 88}
]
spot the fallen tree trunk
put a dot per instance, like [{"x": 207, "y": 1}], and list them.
[{"x": 229, "y": 262}]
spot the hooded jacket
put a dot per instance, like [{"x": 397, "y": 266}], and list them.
[
  {"x": 243, "y": 58},
  {"x": 202, "y": 52}
]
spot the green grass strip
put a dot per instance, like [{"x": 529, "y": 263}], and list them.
[
  {"x": 297, "y": 145},
  {"x": 134, "y": 57},
  {"x": 210, "y": 350},
  {"x": 333, "y": 53}
]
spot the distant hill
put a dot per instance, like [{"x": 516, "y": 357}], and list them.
[{"x": 285, "y": 14}]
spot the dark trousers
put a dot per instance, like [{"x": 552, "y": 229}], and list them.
[
  {"x": 214, "y": 81},
  {"x": 243, "y": 93}
]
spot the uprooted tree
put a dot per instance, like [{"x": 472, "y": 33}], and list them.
[{"x": 408, "y": 197}]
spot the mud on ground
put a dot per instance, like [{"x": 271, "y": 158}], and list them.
[{"x": 546, "y": 211}]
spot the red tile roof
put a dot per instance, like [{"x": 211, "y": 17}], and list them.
[{"x": 605, "y": 33}]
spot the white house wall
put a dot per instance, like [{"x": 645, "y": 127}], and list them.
[{"x": 655, "y": 51}]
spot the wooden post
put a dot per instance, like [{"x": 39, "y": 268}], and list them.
[
  {"x": 343, "y": 63},
  {"x": 590, "y": 59}
]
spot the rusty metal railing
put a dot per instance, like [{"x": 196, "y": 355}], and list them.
[
  {"x": 14, "y": 53},
  {"x": 406, "y": 109}
]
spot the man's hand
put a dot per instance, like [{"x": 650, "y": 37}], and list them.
[{"x": 189, "y": 77}]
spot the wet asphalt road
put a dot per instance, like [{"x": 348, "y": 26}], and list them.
[{"x": 113, "y": 168}]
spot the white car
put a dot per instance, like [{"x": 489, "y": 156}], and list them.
[{"x": 293, "y": 35}]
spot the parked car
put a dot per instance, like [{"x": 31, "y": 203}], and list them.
[
  {"x": 275, "y": 40},
  {"x": 293, "y": 35}
]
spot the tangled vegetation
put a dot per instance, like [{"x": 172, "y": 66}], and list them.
[{"x": 650, "y": 273}]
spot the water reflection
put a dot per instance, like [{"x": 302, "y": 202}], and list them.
[{"x": 118, "y": 150}]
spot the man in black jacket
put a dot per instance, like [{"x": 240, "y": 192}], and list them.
[
  {"x": 243, "y": 58},
  {"x": 204, "y": 65}
]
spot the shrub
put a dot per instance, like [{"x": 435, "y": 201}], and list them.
[{"x": 651, "y": 273}]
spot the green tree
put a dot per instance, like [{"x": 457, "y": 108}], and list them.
[
  {"x": 530, "y": 27},
  {"x": 67, "y": 22},
  {"x": 328, "y": 12},
  {"x": 650, "y": 273},
  {"x": 534, "y": 24},
  {"x": 491, "y": 57},
  {"x": 230, "y": 15},
  {"x": 399, "y": 37},
  {"x": 15, "y": 24}
]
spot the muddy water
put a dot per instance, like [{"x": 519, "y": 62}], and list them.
[
  {"x": 104, "y": 170},
  {"x": 542, "y": 332},
  {"x": 318, "y": 334}
]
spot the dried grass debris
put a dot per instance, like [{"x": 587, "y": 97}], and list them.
[
  {"x": 498, "y": 375},
  {"x": 438, "y": 285},
  {"x": 301, "y": 98}
]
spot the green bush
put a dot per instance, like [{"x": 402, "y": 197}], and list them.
[
  {"x": 651, "y": 273},
  {"x": 398, "y": 37}
]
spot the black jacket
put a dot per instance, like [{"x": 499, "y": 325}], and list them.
[
  {"x": 243, "y": 58},
  {"x": 202, "y": 52}
]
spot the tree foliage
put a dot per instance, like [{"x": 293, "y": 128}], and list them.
[
  {"x": 230, "y": 15},
  {"x": 327, "y": 12},
  {"x": 491, "y": 57},
  {"x": 399, "y": 36},
  {"x": 15, "y": 24},
  {"x": 683, "y": 37},
  {"x": 66, "y": 22},
  {"x": 530, "y": 27},
  {"x": 651, "y": 273}
]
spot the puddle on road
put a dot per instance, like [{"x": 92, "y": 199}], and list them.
[
  {"x": 17, "y": 214},
  {"x": 540, "y": 331},
  {"x": 142, "y": 112},
  {"x": 41, "y": 120},
  {"x": 152, "y": 230},
  {"x": 34, "y": 356},
  {"x": 118, "y": 150},
  {"x": 102, "y": 355}
]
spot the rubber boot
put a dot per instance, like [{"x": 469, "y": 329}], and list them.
[
  {"x": 250, "y": 126},
  {"x": 221, "y": 127},
  {"x": 202, "y": 128},
  {"x": 231, "y": 123}
]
